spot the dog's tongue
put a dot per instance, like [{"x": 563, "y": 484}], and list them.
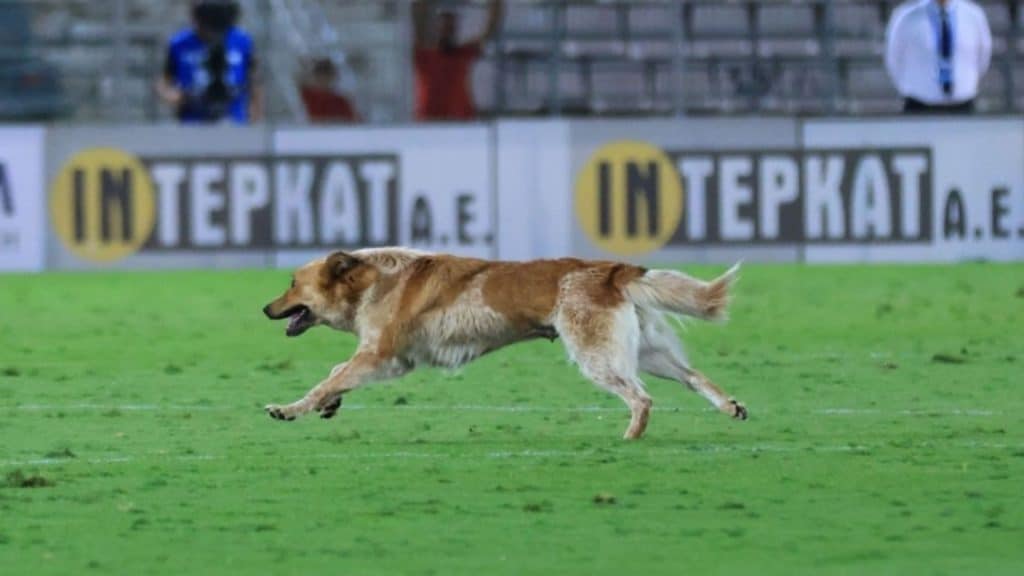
[{"x": 294, "y": 319}]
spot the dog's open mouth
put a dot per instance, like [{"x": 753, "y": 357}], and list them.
[{"x": 300, "y": 319}]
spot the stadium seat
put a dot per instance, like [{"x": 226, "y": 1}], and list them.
[
  {"x": 594, "y": 48},
  {"x": 868, "y": 89},
  {"x": 523, "y": 18},
  {"x": 619, "y": 87},
  {"x": 799, "y": 86},
  {"x": 652, "y": 19},
  {"x": 593, "y": 30},
  {"x": 739, "y": 55},
  {"x": 859, "y": 28},
  {"x": 526, "y": 86},
  {"x": 998, "y": 17},
  {"x": 1018, "y": 87},
  {"x": 702, "y": 89},
  {"x": 780, "y": 19},
  {"x": 591, "y": 20},
  {"x": 574, "y": 87},
  {"x": 485, "y": 77},
  {"x": 719, "y": 30},
  {"x": 992, "y": 92},
  {"x": 651, "y": 49},
  {"x": 787, "y": 29}
]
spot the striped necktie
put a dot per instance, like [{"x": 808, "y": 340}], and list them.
[{"x": 945, "y": 52}]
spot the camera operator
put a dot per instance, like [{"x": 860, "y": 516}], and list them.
[{"x": 210, "y": 72}]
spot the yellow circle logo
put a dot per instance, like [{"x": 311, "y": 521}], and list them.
[
  {"x": 629, "y": 198},
  {"x": 102, "y": 204}
]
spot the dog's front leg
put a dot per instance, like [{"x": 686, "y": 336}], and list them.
[
  {"x": 364, "y": 367},
  {"x": 331, "y": 407}
]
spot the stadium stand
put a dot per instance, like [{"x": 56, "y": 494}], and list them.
[
  {"x": 767, "y": 56},
  {"x": 569, "y": 57}
]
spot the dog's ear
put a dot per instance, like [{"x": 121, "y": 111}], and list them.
[{"x": 341, "y": 263}]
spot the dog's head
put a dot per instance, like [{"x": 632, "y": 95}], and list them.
[{"x": 325, "y": 291}]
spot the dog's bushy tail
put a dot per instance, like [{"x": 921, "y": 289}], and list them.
[{"x": 679, "y": 293}]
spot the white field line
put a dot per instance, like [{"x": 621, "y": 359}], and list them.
[
  {"x": 919, "y": 412},
  {"x": 512, "y": 408},
  {"x": 162, "y": 457},
  {"x": 113, "y": 407}
]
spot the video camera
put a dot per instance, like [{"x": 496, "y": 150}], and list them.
[{"x": 214, "y": 18}]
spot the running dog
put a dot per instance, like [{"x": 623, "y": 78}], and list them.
[{"x": 411, "y": 308}]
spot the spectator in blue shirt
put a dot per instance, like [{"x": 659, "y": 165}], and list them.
[{"x": 210, "y": 72}]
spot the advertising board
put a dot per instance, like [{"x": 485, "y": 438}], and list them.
[
  {"x": 21, "y": 199},
  {"x": 848, "y": 190},
  {"x": 440, "y": 178},
  {"x": 236, "y": 197}
]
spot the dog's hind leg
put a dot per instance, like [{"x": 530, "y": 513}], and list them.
[
  {"x": 661, "y": 355},
  {"x": 603, "y": 342}
]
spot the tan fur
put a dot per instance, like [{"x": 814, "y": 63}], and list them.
[
  {"x": 676, "y": 292},
  {"x": 411, "y": 308}
]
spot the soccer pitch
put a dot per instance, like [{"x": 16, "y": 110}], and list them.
[{"x": 886, "y": 436}]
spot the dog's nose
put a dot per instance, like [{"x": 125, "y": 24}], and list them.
[{"x": 266, "y": 310}]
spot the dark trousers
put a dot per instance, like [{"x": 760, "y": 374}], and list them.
[{"x": 915, "y": 106}]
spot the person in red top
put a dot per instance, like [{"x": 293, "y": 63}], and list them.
[
  {"x": 443, "y": 64},
  {"x": 322, "y": 100}
]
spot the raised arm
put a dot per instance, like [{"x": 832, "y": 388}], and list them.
[
  {"x": 421, "y": 23},
  {"x": 255, "y": 76},
  {"x": 256, "y": 105},
  {"x": 495, "y": 11}
]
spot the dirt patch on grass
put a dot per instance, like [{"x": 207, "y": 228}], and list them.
[
  {"x": 275, "y": 367},
  {"x": 544, "y": 506},
  {"x": 19, "y": 479},
  {"x": 945, "y": 358},
  {"x": 60, "y": 453}
]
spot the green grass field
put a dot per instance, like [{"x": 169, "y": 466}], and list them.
[{"x": 886, "y": 436}]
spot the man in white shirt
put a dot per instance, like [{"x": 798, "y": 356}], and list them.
[{"x": 937, "y": 52}]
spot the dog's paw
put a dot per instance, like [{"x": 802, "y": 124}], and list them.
[
  {"x": 331, "y": 408},
  {"x": 279, "y": 412},
  {"x": 739, "y": 411}
]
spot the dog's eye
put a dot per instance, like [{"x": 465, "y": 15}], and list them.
[{"x": 293, "y": 282}]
